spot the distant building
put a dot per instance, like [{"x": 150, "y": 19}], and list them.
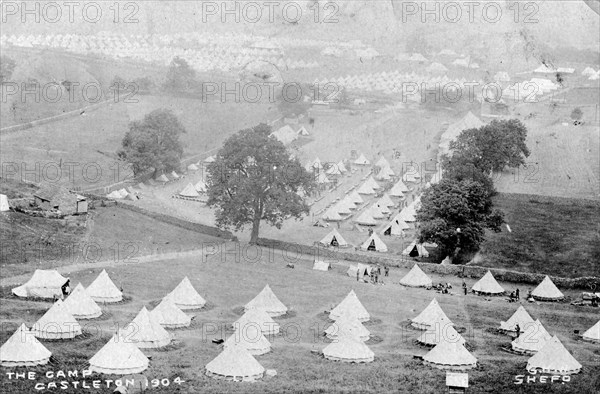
[{"x": 51, "y": 197}]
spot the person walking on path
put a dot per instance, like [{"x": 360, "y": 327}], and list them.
[{"x": 464, "y": 285}]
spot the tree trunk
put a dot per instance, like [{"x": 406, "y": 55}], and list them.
[{"x": 254, "y": 235}]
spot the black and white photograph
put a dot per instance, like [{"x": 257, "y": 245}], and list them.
[{"x": 300, "y": 196}]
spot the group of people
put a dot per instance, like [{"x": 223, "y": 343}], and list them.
[{"x": 374, "y": 275}]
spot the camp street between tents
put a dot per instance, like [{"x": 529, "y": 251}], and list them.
[{"x": 308, "y": 293}]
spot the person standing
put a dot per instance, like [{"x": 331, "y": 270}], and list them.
[
  {"x": 518, "y": 329},
  {"x": 517, "y": 293},
  {"x": 357, "y": 275},
  {"x": 464, "y": 285}
]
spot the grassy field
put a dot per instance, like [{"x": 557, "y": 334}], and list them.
[
  {"x": 555, "y": 238},
  {"x": 228, "y": 285},
  {"x": 91, "y": 141},
  {"x": 111, "y": 234},
  {"x": 565, "y": 159}
]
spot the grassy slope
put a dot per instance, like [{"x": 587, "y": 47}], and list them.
[
  {"x": 109, "y": 230},
  {"x": 556, "y": 239},
  {"x": 228, "y": 285}
]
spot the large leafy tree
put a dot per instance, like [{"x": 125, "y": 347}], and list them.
[
  {"x": 454, "y": 214},
  {"x": 254, "y": 178},
  {"x": 460, "y": 168},
  {"x": 153, "y": 143},
  {"x": 180, "y": 77},
  {"x": 494, "y": 146}
]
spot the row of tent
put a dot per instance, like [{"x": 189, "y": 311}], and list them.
[
  {"x": 592, "y": 74},
  {"x": 286, "y": 134},
  {"x": 237, "y": 362}
]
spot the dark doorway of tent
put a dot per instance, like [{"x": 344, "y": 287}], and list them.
[
  {"x": 414, "y": 252},
  {"x": 388, "y": 231},
  {"x": 372, "y": 246},
  {"x": 334, "y": 242}
]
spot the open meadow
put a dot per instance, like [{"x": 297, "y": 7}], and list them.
[{"x": 227, "y": 285}]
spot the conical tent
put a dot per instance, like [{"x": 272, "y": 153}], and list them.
[
  {"x": 360, "y": 270},
  {"x": 416, "y": 278},
  {"x": 547, "y": 291},
  {"x": 350, "y": 307},
  {"x": 333, "y": 170},
  {"x": 23, "y": 350},
  {"x": 487, "y": 285},
  {"x": 43, "y": 284},
  {"x": 392, "y": 228},
  {"x": 57, "y": 323},
  {"x": 450, "y": 355},
  {"x": 147, "y": 332},
  {"x": 442, "y": 332},
  {"x": 168, "y": 315},
  {"x": 200, "y": 186},
  {"x": 398, "y": 189},
  {"x": 365, "y": 189},
  {"x": 553, "y": 358},
  {"x": 343, "y": 207},
  {"x": 4, "y": 203},
  {"x": 81, "y": 305},
  {"x": 376, "y": 212},
  {"x": 366, "y": 219},
  {"x": 250, "y": 338},
  {"x": 355, "y": 197},
  {"x": 386, "y": 200},
  {"x": 382, "y": 162},
  {"x": 162, "y": 178},
  {"x": 257, "y": 318},
  {"x": 189, "y": 191},
  {"x": 103, "y": 290},
  {"x": 347, "y": 349},
  {"x": 334, "y": 238},
  {"x": 186, "y": 297},
  {"x": 406, "y": 216},
  {"x": 341, "y": 167},
  {"x": 593, "y": 334},
  {"x": 415, "y": 250},
  {"x": 532, "y": 340},
  {"x": 192, "y": 167},
  {"x": 401, "y": 223},
  {"x": 332, "y": 215},
  {"x": 174, "y": 175},
  {"x": 267, "y": 301},
  {"x": 372, "y": 183},
  {"x": 119, "y": 356},
  {"x": 362, "y": 160},
  {"x": 235, "y": 363},
  {"x": 431, "y": 315},
  {"x": 520, "y": 317},
  {"x": 374, "y": 243},
  {"x": 348, "y": 325}
]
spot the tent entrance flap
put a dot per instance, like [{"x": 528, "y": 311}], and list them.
[
  {"x": 414, "y": 252},
  {"x": 372, "y": 245}
]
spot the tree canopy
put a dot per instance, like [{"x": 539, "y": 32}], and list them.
[
  {"x": 154, "y": 142},
  {"x": 454, "y": 214},
  {"x": 494, "y": 146},
  {"x": 254, "y": 178},
  {"x": 180, "y": 77}
]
